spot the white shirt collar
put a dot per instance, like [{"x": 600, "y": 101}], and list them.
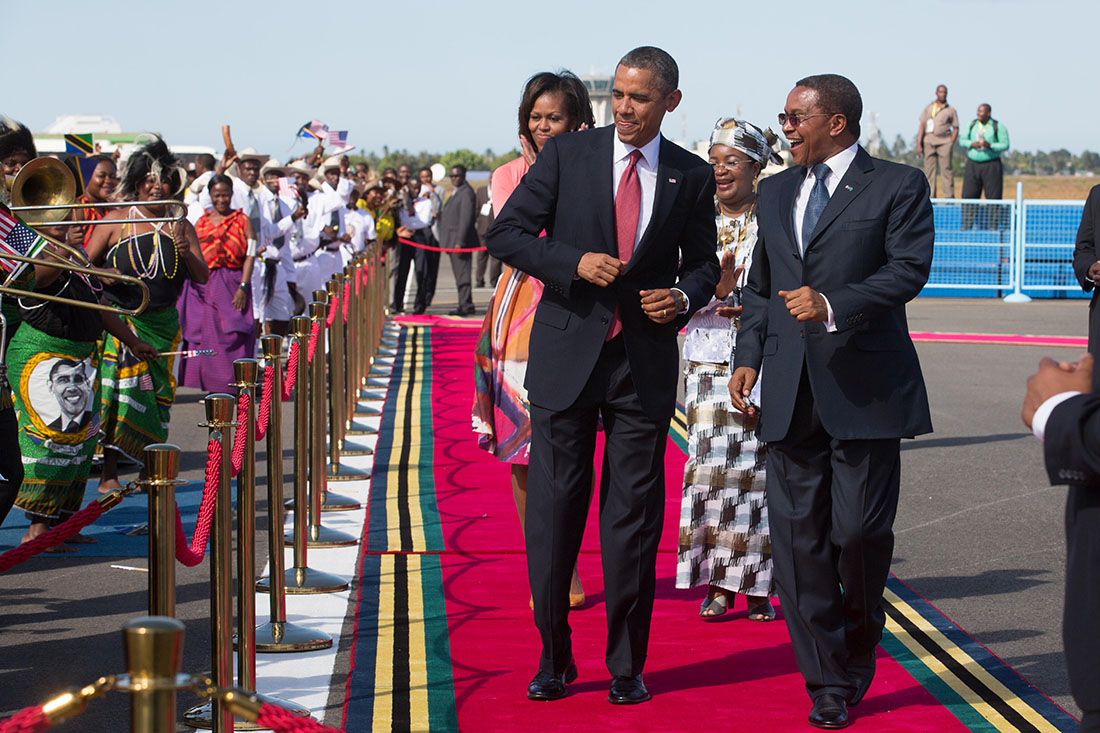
[
  {"x": 840, "y": 163},
  {"x": 650, "y": 150}
]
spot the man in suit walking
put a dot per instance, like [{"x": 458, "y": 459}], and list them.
[
  {"x": 457, "y": 231},
  {"x": 845, "y": 241},
  {"x": 628, "y": 256},
  {"x": 1086, "y": 262},
  {"x": 1063, "y": 410}
]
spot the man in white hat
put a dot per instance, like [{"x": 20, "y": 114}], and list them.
[{"x": 274, "y": 281}]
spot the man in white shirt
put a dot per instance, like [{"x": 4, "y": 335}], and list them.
[
  {"x": 274, "y": 281},
  {"x": 415, "y": 223}
]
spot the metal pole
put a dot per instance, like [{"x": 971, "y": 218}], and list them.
[
  {"x": 337, "y": 375},
  {"x": 319, "y": 536},
  {"x": 162, "y": 462},
  {"x": 153, "y": 647},
  {"x": 302, "y": 579},
  {"x": 219, "y": 412},
  {"x": 245, "y": 372},
  {"x": 1017, "y": 295}
]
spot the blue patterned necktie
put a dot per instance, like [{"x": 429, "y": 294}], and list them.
[{"x": 819, "y": 199}]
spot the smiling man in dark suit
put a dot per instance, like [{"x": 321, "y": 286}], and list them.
[
  {"x": 845, "y": 242},
  {"x": 629, "y": 254}
]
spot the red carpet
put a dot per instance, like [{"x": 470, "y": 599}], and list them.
[{"x": 727, "y": 673}]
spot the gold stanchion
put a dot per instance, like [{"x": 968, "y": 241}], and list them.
[
  {"x": 245, "y": 372},
  {"x": 352, "y": 356},
  {"x": 336, "y": 375},
  {"x": 302, "y": 579},
  {"x": 219, "y": 413},
  {"x": 153, "y": 647},
  {"x": 330, "y": 501},
  {"x": 162, "y": 462},
  {"x": 278, "y": 634},
  {"x": 319, "y": 536}
]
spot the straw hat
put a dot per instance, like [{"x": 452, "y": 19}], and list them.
[
  {"x": 251, "y": 154},
  {"x": 272, "y": 166}
]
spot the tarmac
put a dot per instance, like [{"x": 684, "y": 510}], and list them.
[{"x": 979, "y": 531}]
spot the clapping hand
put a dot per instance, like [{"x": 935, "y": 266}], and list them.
[{"x": 1054, "y": 378}]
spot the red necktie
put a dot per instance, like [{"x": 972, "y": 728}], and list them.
[{"x": 628, "y": 206}]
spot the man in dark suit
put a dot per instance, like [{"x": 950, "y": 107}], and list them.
[
  {"x": 1086, "y": 263},
  {"x": 629, "y": 254},
  {"x": 1063, "y": 412},
  {"x": 845, "y": 241},
  {"x": 456, "y": 231}
]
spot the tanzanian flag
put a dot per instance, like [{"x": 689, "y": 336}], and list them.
[{"x": 79, "y": 144}]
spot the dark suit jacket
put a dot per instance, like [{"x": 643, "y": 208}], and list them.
[
  {"x": 869, "y": 255},
  {"x": 569, "y": 193},
  {"x": 456, "y": 226},
  {"x": 483, "y": 221},
  {"x": 1084, "y": 255}
]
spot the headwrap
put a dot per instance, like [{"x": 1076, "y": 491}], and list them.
[{"x": 746, "y": 137}]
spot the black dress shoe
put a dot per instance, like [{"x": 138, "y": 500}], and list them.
[
  {"x": 829, "y": 711},
  {"x": 862, "y": 671},
  {"x": 418, "y": 310},
  {"x": 550, "y": 686},
  {"x": 627, "y": 691}
]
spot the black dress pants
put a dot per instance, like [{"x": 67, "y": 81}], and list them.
[
  {"x": 426, "y": 262},
  {"x": 1081, "y": 617},
  {"x": 462, "y": 267},
  {"x": 11, "y": 462},
  {"x": 831, "y": 508},
  {"x": 981, "y": 176},
  {"x": 405, "y": 254},
  {"x": 631, "y": 511}
]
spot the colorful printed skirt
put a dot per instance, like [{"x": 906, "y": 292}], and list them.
[
  {"x": 724, "y": 538},
  {"x": 57, "y": 399},
  {"x": 501, "y": 412},
  {"x": 138, "y": 395}
]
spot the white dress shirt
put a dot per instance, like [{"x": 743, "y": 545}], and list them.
[{"x": 838, "y": 166}]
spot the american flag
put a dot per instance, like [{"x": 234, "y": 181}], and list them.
[
  {"x": 17, "y": 239},
  {"x": 313, "y": 130},
  {"x": 288, "y": 188}
]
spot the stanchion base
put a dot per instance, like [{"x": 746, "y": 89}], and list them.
[
  {"x": 331, "y": 502},
  {"x": 202, "y": 716},
  {"x": 274, "y": 638},
  {"x": 356, "y": 449},
  {"x": 344, "y": 472},
  {"x": 305, "y": 581},
  {"x": 326, "y": 537},
  {"x": 358, "y": 428}
]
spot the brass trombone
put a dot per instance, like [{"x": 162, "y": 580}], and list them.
[{"x": 48, "y": 184}]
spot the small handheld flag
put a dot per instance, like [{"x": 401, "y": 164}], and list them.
[
  {"x": 313, "y": 130},
  {"x": 288, "y": 188},
  {"x": 17, "y": 239},
  {"x": 80, "y": 144}
]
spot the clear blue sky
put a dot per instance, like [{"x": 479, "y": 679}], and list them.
[{"x": 445, "y": 75}]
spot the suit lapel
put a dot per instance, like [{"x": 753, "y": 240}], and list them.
[
  {"x": 851, "y": 186},
  {"x": 787, "y": 193},
  {"x": 669, "y": 180},
  {"x": 603, "y": 194}
]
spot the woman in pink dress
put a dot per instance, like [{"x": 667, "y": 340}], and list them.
[{"x": 552, "y": 104}]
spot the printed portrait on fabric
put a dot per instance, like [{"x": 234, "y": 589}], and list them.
[{"x": 60, "y": 393}]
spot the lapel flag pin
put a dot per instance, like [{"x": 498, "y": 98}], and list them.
[
  {"x": 672, "y": 180},
  {"x": 847, "y": 187}
]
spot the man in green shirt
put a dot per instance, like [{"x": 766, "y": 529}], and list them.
[{"x": 985, "y": 139}]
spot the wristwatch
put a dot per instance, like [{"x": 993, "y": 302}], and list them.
[
  {"x": 243, "y": 286},
  {"x": 681, "y": 301}
]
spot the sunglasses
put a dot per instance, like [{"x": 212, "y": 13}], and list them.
[{"x": 797, "y": 119}]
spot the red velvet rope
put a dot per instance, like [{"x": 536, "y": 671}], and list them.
[
  {"x": 192, "y": 555},
  {"x": 291, "y": 370},
  {"x": 313, "y": 333},
  {"x": 27, "y": 720},
  {"x": 452, "y": 250},
  {"x": 332, "y": 312},
  {"x": 69, "y": 528},
  {"x": 239, "y": 438},
  {"x": 347, "y": 297},
  {"x": 263, "y": 419},
  {"x": 282, "y": 720}
]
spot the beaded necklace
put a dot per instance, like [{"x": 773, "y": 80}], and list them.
[{"x": 156, "y": 258}]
